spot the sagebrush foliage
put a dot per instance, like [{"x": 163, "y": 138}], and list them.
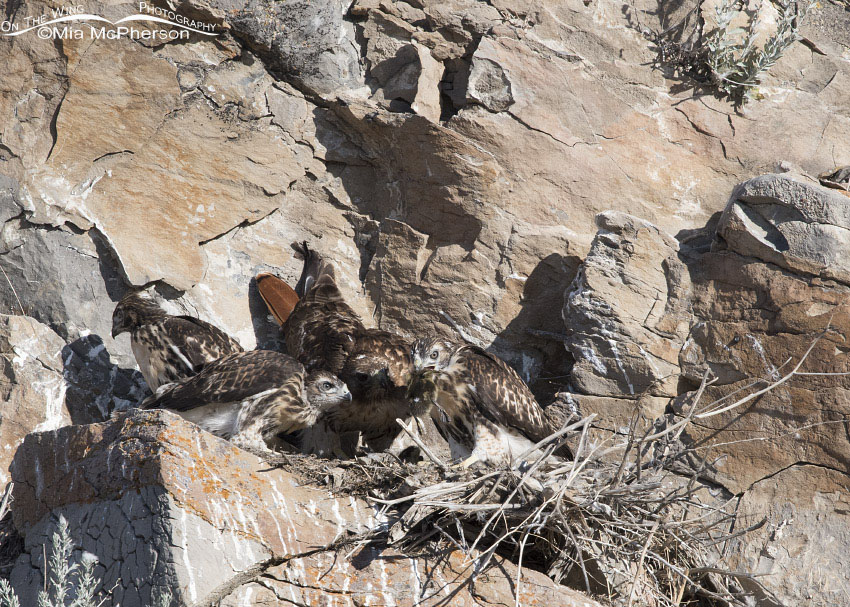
[
  {"x": 736, "y": 64},
  {"x": 730, "y": 59},
  {"x": 70, "y": 584}
]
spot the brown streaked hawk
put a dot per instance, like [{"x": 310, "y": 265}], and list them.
[
  {"x": 480, "y": 404},
  {"x": 324, "y": 332},
  {"x": 168, "y": 348},
  {"x": 250, "y": 397}
]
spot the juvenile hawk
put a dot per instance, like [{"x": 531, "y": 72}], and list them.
[
  {"x": 168, "y": 348},
  {"x": 482, "y": 406},
  {"x": 249, "y": 397},
  {"x": 324, "y": 332}
]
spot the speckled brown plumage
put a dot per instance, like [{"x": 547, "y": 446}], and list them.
[
  {"x": 252, "y": 396},
  {"x": 324, "y": 332},
  {"x": 168, "y": 348},
  {"x": 482, "y": 405}
]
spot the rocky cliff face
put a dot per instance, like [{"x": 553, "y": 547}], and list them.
[
  {"x": 165, "y": 504},
  {"x": 520, "y": 168},
  {"x": 746, "y": 301}
]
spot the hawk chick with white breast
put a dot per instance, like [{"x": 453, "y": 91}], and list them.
[
  {"x": 168, "y": 348},
  {"x": 480, "y": 404},
  {"x": 250, "y": 397}
]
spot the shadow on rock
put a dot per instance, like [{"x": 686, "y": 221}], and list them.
[
  {"x": 416, "y": 179},
  {"x": 95, "y": 385},
  {"x": 266, "y": 330},
  {"x": 533, "y": 342}
]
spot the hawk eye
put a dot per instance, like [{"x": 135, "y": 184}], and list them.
[
  {"x": 326, "y": 386},
  {"x": 434, "y": 354},
  {"x": 361, "y": 377}
]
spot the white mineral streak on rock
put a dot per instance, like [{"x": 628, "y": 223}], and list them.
[
  {"x": 53, "y": 392},
  {"x": 386, "y": 591},
  {"x": 184, "y": 547},
  {"x": 282, "y": 504},
  {"x": 649, "y": 359},
  {"x": 415, "y": 580},
  {"x": 356, "y": 510},
  {"x": 590, "y": 355},
  {"x": 278, "y": 504},
  {"x": 246, "y": 597},
  {"x": 313, "y": 511},
  {"x": 768, "y": 366}
]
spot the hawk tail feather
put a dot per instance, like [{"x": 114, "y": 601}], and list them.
[{"x": 278, "y": 296}]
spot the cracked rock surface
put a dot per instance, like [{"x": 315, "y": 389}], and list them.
[
  {"x": 457, "y": 160},
  {"x": 163, "y": 503},
  {"x": 497, "y": 132},
  {"x": 744, "y": 299}
]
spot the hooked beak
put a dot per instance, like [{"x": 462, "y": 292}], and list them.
[{"x": 424, "y": 364}]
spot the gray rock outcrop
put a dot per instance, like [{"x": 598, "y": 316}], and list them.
[
  {"x": 627, "y": 312},
  {"x": 795, "y": 224},
  {"x": 161, "y": 503},
  {"x": 743, "y": 301},
  {"x": 461, "y": 162},
  {"x": 32, "y": 384}
]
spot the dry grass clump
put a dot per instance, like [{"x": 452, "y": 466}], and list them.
[
  {"x": 11, "y": 542},
  {"x": 629, "y": 520}
]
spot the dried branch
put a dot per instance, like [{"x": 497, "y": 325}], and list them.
[
  {"x": 415, "y": 438},
  {"x": 626, "y": 515}
]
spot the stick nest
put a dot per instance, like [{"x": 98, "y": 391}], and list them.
[{"x": 629, "y": 520}]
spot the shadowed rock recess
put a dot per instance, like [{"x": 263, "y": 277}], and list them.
[{"x": 524, "y": 170}]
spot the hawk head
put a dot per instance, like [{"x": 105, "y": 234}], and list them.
[
  {"x": 432, "y": 353},
  {"x": 325, "y": 390},
  {"x": 132, "y": 311},
  {"x": 368, "y": 376}
]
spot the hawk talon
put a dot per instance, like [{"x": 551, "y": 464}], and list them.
[{"x": 467, "y": 463}]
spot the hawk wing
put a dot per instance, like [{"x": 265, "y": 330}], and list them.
[
  {"x": 233, "y": 378},
  {"x": 322, "y": 328},
  {"x": 501, "y": 395},
  {"x": 180, "y": 346},
  {"x": 199, "y": 341},
  {"x": 172, "y": 348},
  {"x": 322, "y": 336}
]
